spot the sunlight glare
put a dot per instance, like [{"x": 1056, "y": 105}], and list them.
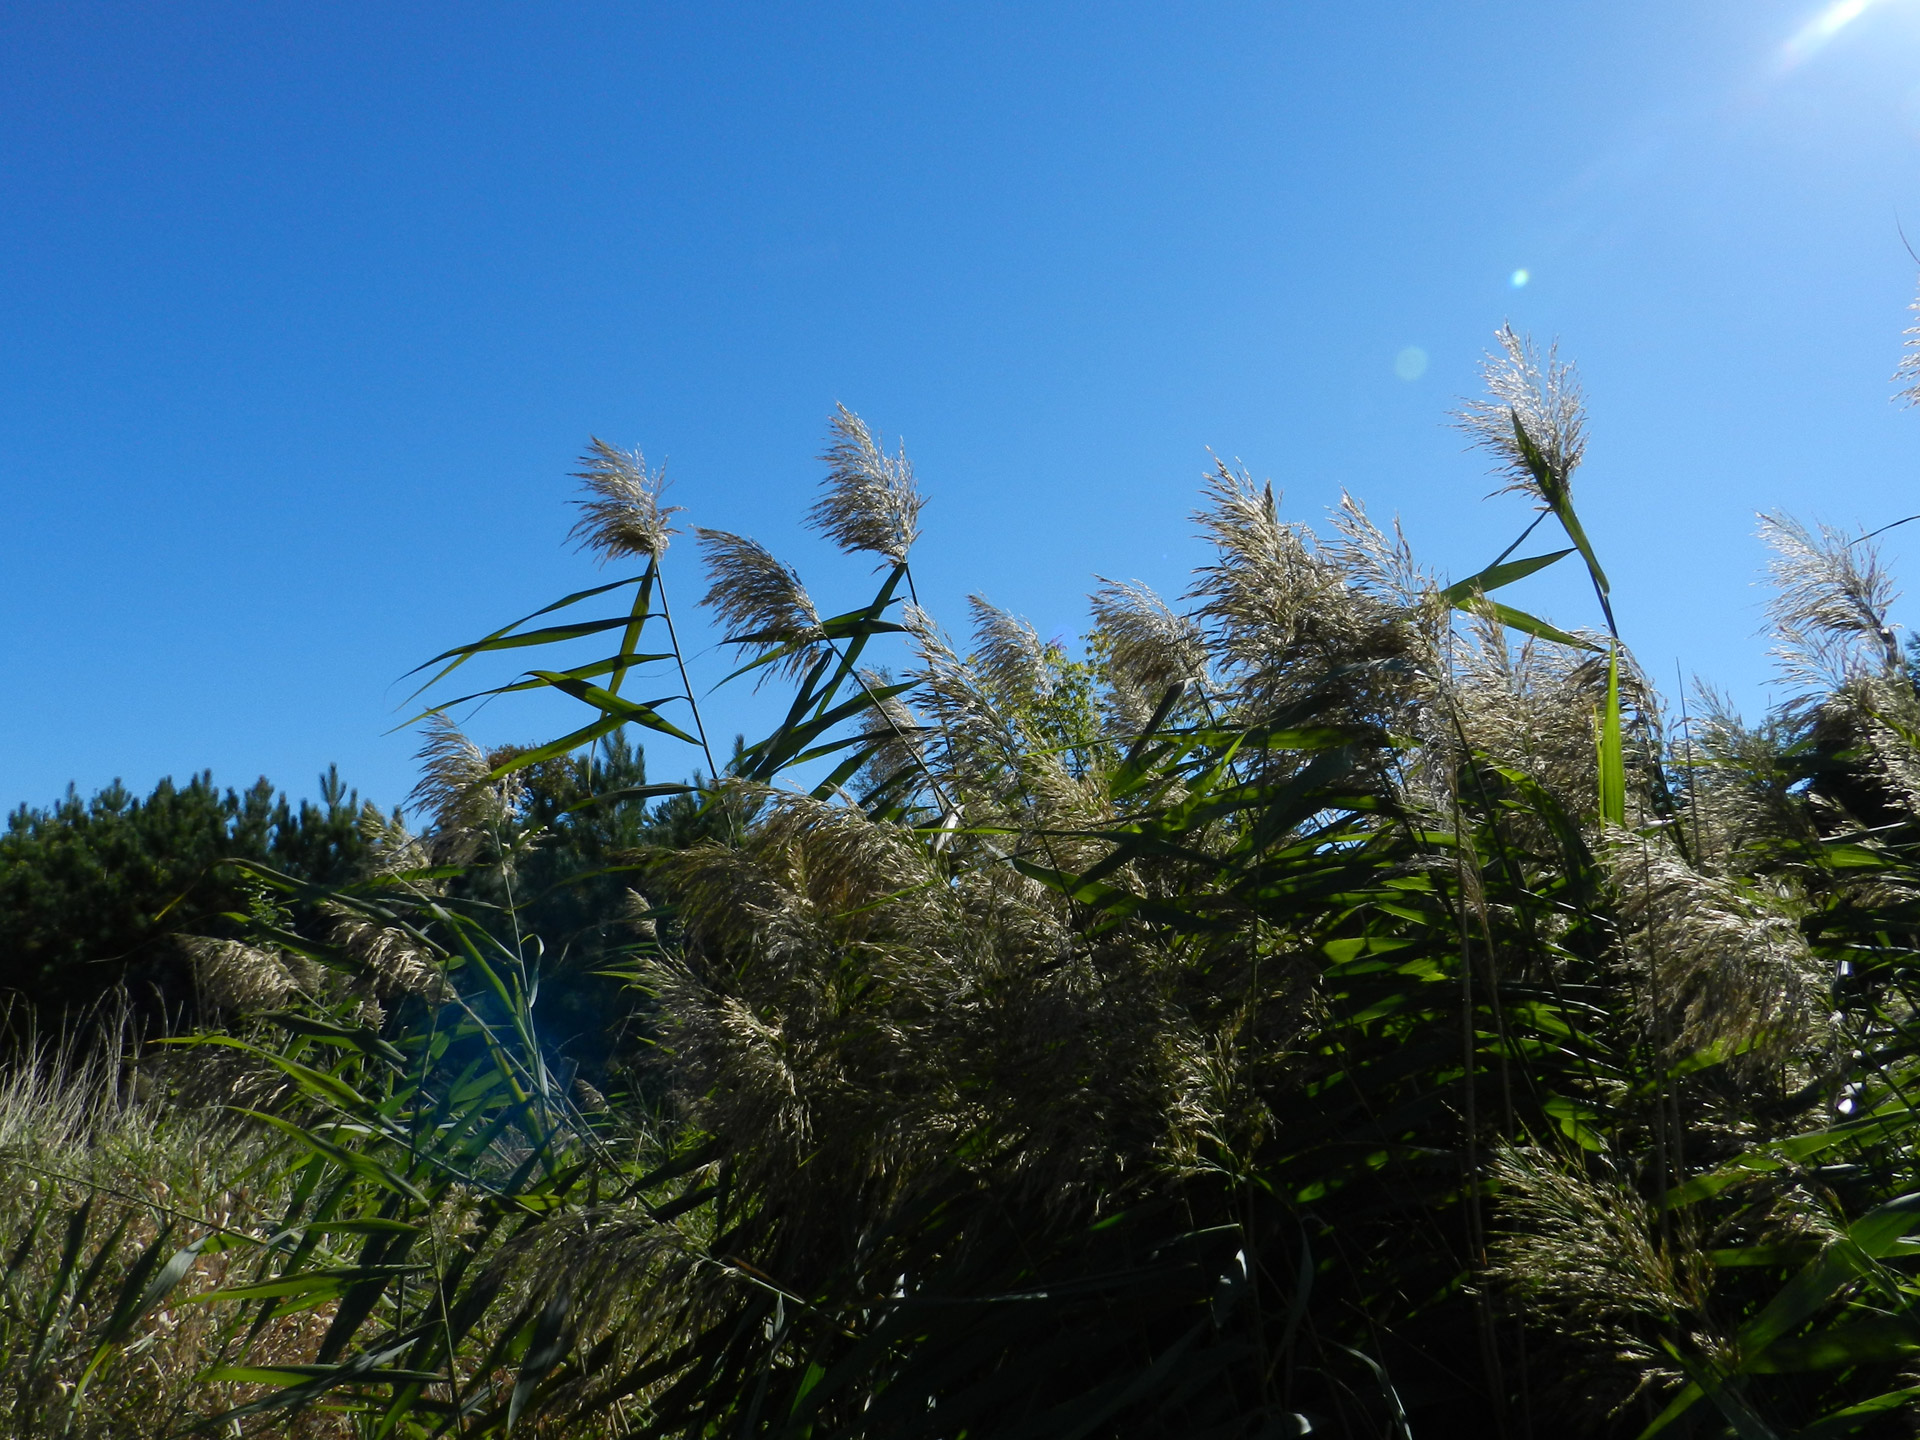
[{"x": 1814, "y": 35}]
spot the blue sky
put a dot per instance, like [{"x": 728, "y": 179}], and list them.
[{"x": 307, "y": 309}]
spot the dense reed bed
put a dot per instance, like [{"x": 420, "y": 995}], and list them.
[{"x": 1338, "y": 1003}]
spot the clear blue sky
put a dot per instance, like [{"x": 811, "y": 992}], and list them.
[{"x": 307, "y": 309}]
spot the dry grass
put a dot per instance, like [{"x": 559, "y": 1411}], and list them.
[{"x": 87, "y": 1135}]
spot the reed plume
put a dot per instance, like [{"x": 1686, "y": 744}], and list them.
[
  {"x": 621, "y": 512},
  {"x": 1529, "y": 706},
  {"x": 871, "y": 502},
  {"x": 1009, "y": 654},
  {"x": 1533, "y": 421},
  {"x": 1907, "y": 373},
  {"x": 760, "y": 600},
  {"x": 1584, "y": 1248},
  {"x": 466, "y": 806},
  {"x": 395, "y": 960},
  {"x": 971, "y": 744},
  {"x": 1284, "y": 616},
  {"x": 238, "y": 977},
  {"x": 893, "y": 735},
  {"x": 1830, "y": 605},
  {"x": 1721, "y": 965},
  {"x": 1150, "y": 648}
]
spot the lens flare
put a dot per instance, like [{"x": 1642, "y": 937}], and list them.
[
  {"x": 1410, "y": 363},
  {"x": 1519, "y": 279},
  {"x": 1813, "y": 36}
]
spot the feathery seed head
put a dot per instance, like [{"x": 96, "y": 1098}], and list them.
[
  {"x": 871, "y": 502},
  {"x": 395, "y": 849},
  {"x": 1149, "y": 647},
  {"x": 1907, "y": 374},
  {"x": 233, "y": 976},
  {"x": 1584, "y": 1249},
  {"x": 970, "y": 742},
  {"x": 1266, "y": 582},
  {"x": 1284, "y": 615},
  {"x": 1723, "y": 964},
  {"x": 1533, "y": 421},
  {"x": 621, "y": 513},
  {"x": 457, "y": 790},
  {"x": 1891, "y": 711},
  {"x": 1737, "y": 780},
  {"x": 1830, "y": 605},
  {"x": 454, "y": 768},
  {"x": 637, "y": 909},
  {"x": 396, "y": 961},
  {"x": 920, "y": 624},
  {"x": 1009, "y": 653},
  {"x": 1531, "y": 707},
  {"x": 1381, "y": 565},
  {"x": 759, "y": 599}
]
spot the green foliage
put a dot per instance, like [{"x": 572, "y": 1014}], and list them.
[
  {"x": 93, "y": 891},
  {"x": 577, "y": 834}
]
